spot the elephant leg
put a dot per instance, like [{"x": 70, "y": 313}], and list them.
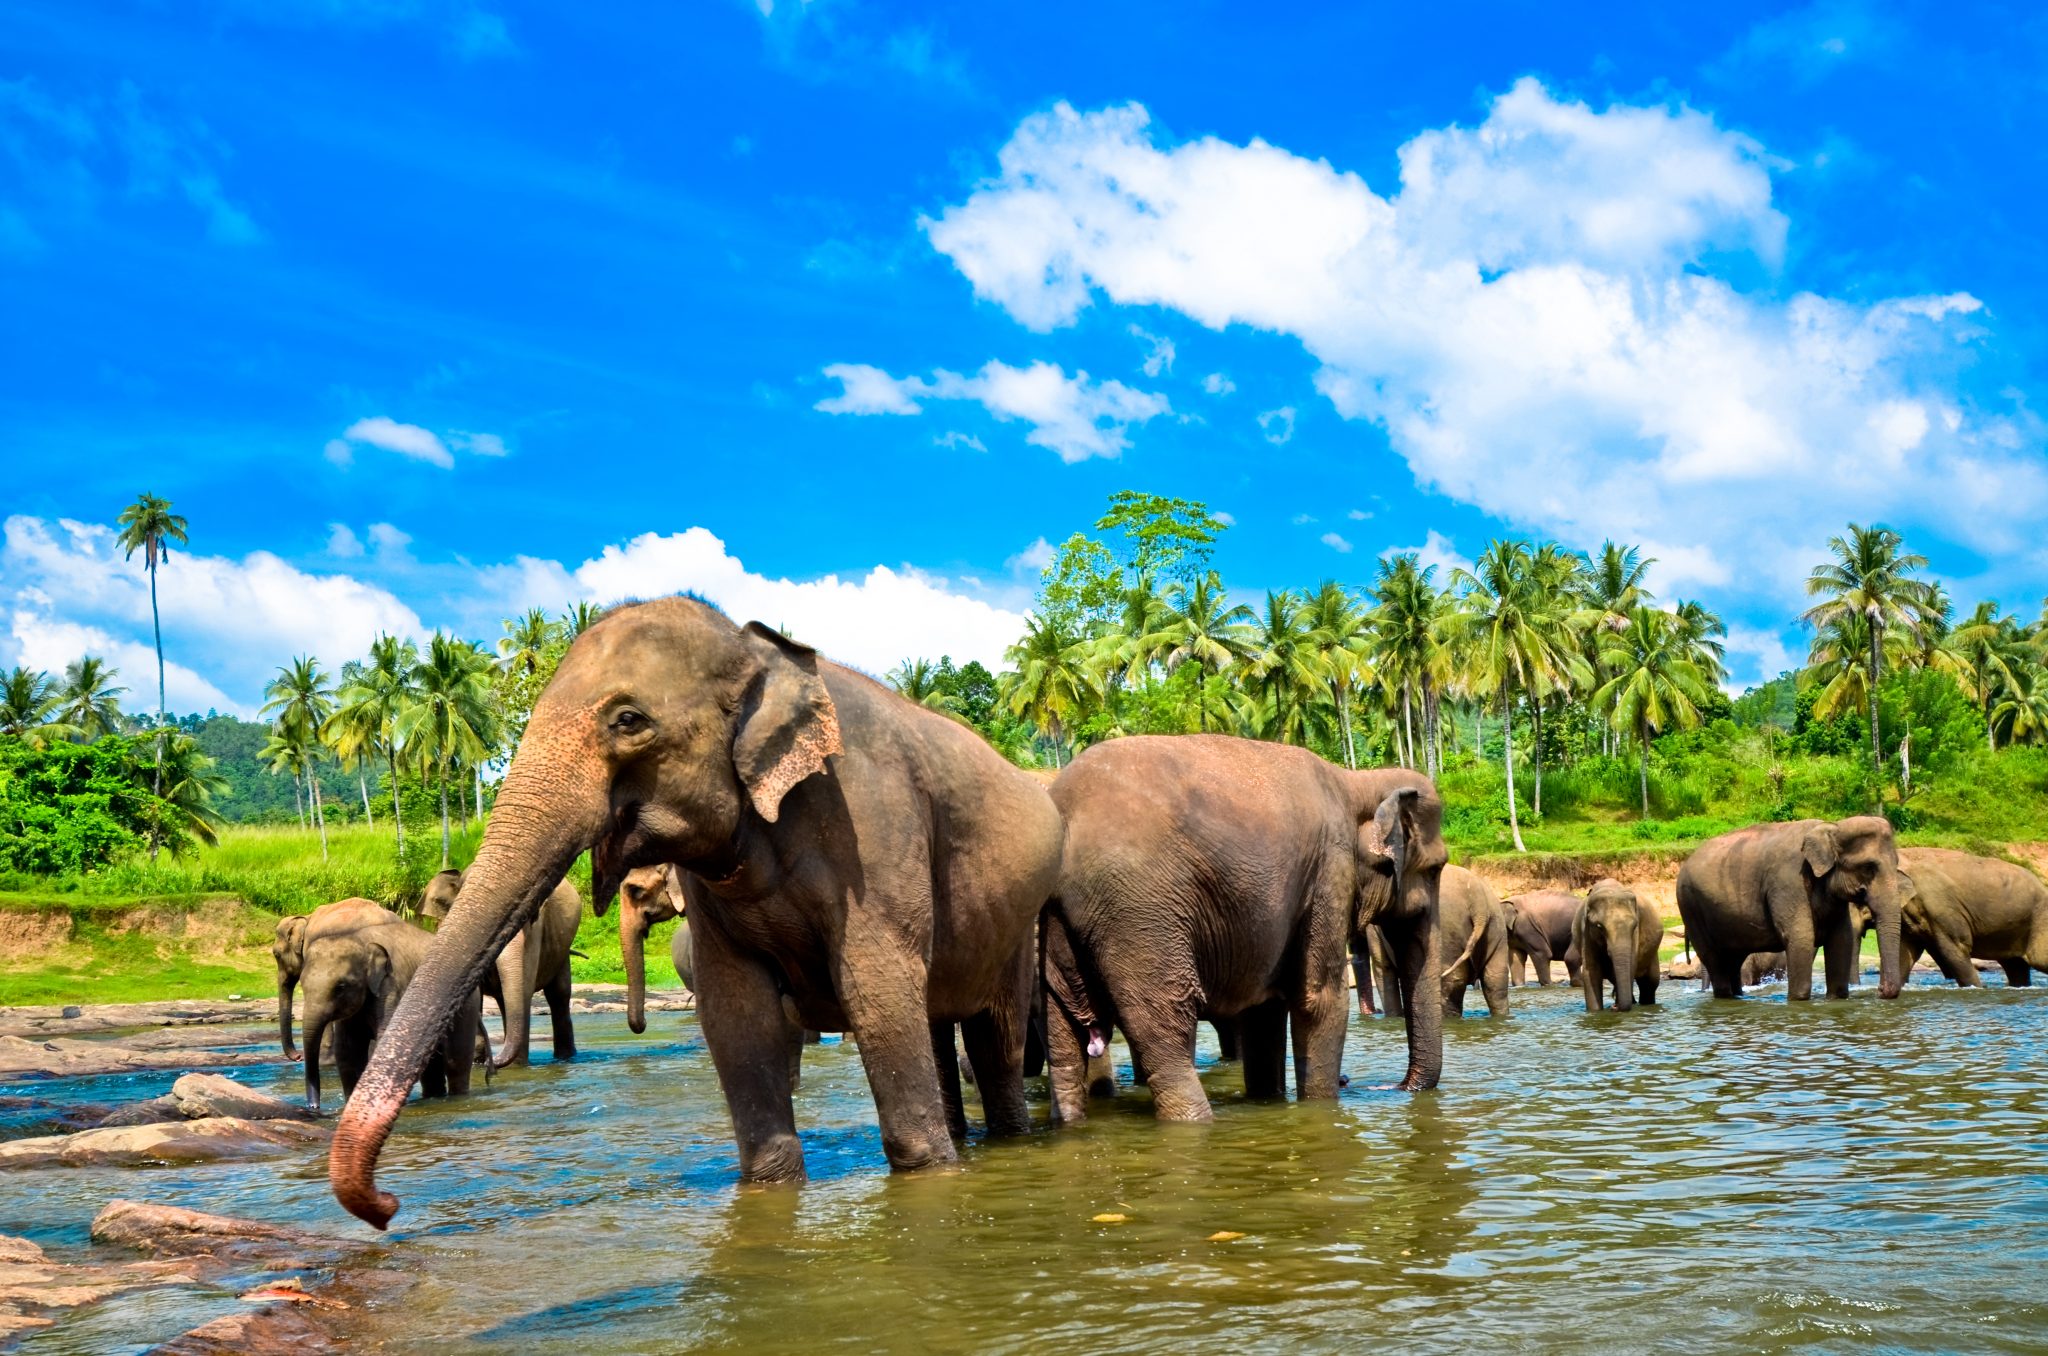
[
  {"x": 883, "y": 988},
  {"x": 995, "y": 1050},
  {"x": 1454, "y": 997},
  {"x": 1844, "y": 958},
  {"x": 516, "y": 999},
  {"x": 1493, "y": 984},
  {"x": 741, "y": 1016},
  {"x": 1034, "y": 1045},
  {"x": 1066, "y": 1065},
  {"x": 946, "y": 1059},
  {"x": 2018, "y": 975},
  {"x": 1162, "y": 1040},
  {"x": 1590, "y": 984},
  {"x": 1229, "y": 1039},
  {"x": 1263, "y": 1032},
  {"x": 1539, "y": 961},
  {"x": 316, "y": 1028},
  {"x": 458, "y": 1052},
  {"x": 1954, "y": 959},
  {"x": 1100, "y": 1074},
  {"x": 558, "y": 1014},
  {"x": 1646, "y": 989},
  {"x": 1518, "y": 965},
  {"x": 1320, "y": 1023},
  {"x": 1361, "y": 975},
  {"x": 352, "y": 1039}
]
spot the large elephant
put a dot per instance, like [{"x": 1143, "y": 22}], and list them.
[
  {"x": 1960, "y": 906},
  {"x": 536, "y": 960},
  {"x": 1210, "y": 876},
  {"x": 1791, "y": 887},
  {"x": 877, "y": 862},
  {"x": 1542, "y": 933},
  {"x": 1617, "y": 936},
  {"x": 1473, "y": 926},
  {"x": 353, "y": 979},
  {"x": 288, "y": 949}
]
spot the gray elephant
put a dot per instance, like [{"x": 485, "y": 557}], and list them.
[
  {"x": 1541, "y": 933},
  {"x": 1209, "y": 876},
  {"x": 874, "y": 861},
  {"x": 1791, "y": 887},
  {"x": 1617, "y": 935},
  {"x": 1472, "y": 934},
  {"x": 288, "y": 949},
  {"x": 1761, "y": 967},
  {"x": 353, "y": 979},
  {"x": 536, "y": 960},
  {"x": 1959, "y": 906}
]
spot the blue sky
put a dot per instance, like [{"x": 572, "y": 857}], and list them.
[{"x": 426, "y": 312}]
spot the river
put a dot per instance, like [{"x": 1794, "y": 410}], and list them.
[{"x": 1699, "y": 1176}]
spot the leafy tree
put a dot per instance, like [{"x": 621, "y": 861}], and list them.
[
  {"x": 918, "y": 680},
  {"x": 89, "y": 702},
  {"x": 1167, "y": 538},
  {"x": 1050, "y": 684}
]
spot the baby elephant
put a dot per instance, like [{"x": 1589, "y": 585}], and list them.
[
  {"x": 1761, "y": 967},
  {"x": 353, "y": 980},
  {"x": 1617, "y": 937}
]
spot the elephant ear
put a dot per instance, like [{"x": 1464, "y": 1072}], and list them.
[
  {"x": 675, "y": 891},
  {"x": 788, "y": 726},
  {"x": 1385, "y": 836},
  {"x": 1823, "y": 846}
]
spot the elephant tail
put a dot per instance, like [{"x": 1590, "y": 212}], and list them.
[
  {"x": 1471, "y": 943},
  {"x": 1070, "y": 981}
]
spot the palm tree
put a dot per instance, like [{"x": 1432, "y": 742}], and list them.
[
  {"x": 451, "y": 721},
  {"x": 1342, "y": 631},
  {"x": 2023, "y": 707},
  {"x": 282, "y": 753},
  {"x": 1517, "y": 641},
  {"x": 183, "y": 808},
  {"x": 1199, "y": 626},
  {"x": 89, "y": 701},
  {"x": 523, "y": 649},
  {"x": 301, "y": 700},
  {"x": 581, "y": 617},
  {"x": 354, "y": 732},
  {"x": 1871, "y": 576},
  {"x": 1613, "y": 585},
  {"x": 149, "y": 525},
  {"x": 1407, "y": 622},
  {"x": 1049, "y": 682},
  {"x": 1284, "y": 660},
  {"x": 28, "y": 698},
  {"x": 1657, "y": 684},
  {"x": 918, "y": 679},
  {"x": 1990, "y": 649},
  {"x": 379, "y": 693}
]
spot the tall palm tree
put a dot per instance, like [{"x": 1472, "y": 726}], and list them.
[
  {"x": 1343, "y": 635},
  {"x": 1656, "y": 683},
  {"x": 355, "y": 734},
  {"x": 28, "y": 700},
  {"x": 2023, "y": 707},
  {"x": 1407, "y": 622},
  {"x": 1990, "y": 648},
  {"x": 523, "y": 648},
  {"x": 301, "y": 700},
  {"x": 451, "y": 721},
  {"x": 285, "y": 753},
  {"x": 373, "y": 701},
  {"x": 1614, "y": 585},
  {"x": 1285, "y": 662},
  {"x": 1871, "y": 575},
  {"x": 149, "y": 525},
  {"x": 1049, "y": 682},
  {"x": 1517, "y": 646},
  {"x": 1202, "y": 627},
  {"x": 89, "y": 700},
  {"x": 1557, "y": 577}
]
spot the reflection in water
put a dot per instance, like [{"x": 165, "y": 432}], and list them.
[{"x": 1704, "y": 1176}]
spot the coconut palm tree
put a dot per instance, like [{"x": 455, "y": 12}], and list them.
[
  {"x": 149, "y": 525},
  {"x": 1200, "y": 626},
  {"x": 1408, "y": 648},
  {"x": 354, "y": 733},
  {"x": 1284, "y": 661},
  {"x": 285, "y": 753},
  {"x": 183, "y": 809},
  {"x": 1343, "y": 636},
  {"x": 89, "y": 701},
  {"x": 524, "y": 646},
  {"x": 2023, "y": 707},
  {"x": 451, "y": 721},
  {"x": 1656, "y": 684},
  {"x": 1989, "y": 649},
  {"x": 918, "y": 679},
  {"x": 1613, "y": 585},
  {"x": 371, "y": 703},
  {"x": 301, "y": 700},
  {"x": 1050, "y": 682},
  {"x": 28, "y": 700},
  {"x": 1872, "y": 576},
  {"x": 580, "y": 617}
]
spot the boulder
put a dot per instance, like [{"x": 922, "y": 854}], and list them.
[
  {"x": 33, "y": 1288},
  {"x": 152, "y": 1112},
  {"x": 171, "y": 1229},
  {"x": 200, "y": 1095},
  {"x": 275, "y": 1330},
  {"x": 223, "y": 1137},
  {"x": 67, "y": 1058}
]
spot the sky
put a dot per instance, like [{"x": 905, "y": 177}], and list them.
[{"x": 425, "y": 312}]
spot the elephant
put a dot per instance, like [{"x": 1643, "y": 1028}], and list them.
[
  {"x": 1473, "y": 925},
  {"x": 288, "y": 949},
  {"x": 1790, "y": 887},
  {"x": 1617, "y": 936},
  {"x": 1959, "y": 906},
  {"x": 1542, "y": 933},
  {"x": 875, "y": 861},
  {"x": 536, "y": 960},
  {"x": 353, "y": 978},
  {"x": 1760, "y": 967},
  {"x": 1210, "y": 876},
  {"x": 654, "y": 894}
]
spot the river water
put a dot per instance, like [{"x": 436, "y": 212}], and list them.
[{"x": 1700, "y": 1176}]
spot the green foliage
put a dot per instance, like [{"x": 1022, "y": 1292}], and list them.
[{"x": 67, "y": 809}]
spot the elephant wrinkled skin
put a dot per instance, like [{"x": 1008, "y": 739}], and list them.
[
  {"x": 1791, "y": 887},
  {"x": 353, "y": 979},
  {"x": 874, "y": 861},
  {"x": 536, "y": 960},
  {"x": 1617, "y": 936},
  {"x": 1211, "y": 876},
  {"x": 1960, "y": 906}
]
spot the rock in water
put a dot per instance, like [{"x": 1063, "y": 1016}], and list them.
[
  {"x": 200, "y": 1095},
  {"x": 220, "y": 1137},
  {"x": 174, "y": 1229},
  {"x": 273, "y": 1331},
  {"x": 155, "y": 1111}
]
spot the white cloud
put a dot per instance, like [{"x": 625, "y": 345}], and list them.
[
  {"x": 1075, "y": 417},
  {"x": 1303, "y": 519},
  {"x": 1217, "y": 384},
  {"x": 1541, "y": 320},
  {"x": 1032, "y": 559},
  {"x": 1159, "y": 358},
  {"x": 1227, "y": 519},
  {"x": 1277, "y": 425},
  {"x": 1756, "y": 655},
  {"x": 390, "y": 543},
  {"x": 411, "y": 441},
  {"x": 342, "y": 541},
  {"x": 1336, "y": 543},
  {"x": 957, "y": 439},
  {"x": 1358, "y": 515},
  {"x": 48, "y": 643},
  {"x": 1436, "y": 550}
]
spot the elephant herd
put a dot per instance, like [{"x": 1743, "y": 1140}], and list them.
[{"x": 847, "y": 860}]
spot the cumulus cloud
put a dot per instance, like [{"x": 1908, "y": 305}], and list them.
[
  {"x": 1217, "y": 384},
  {"x": 1159, "y": 354},
  {"x": 49, "y": 643},
  {"x": 411, "y": 441},
  {"x": 1436, "y": 550},
  {"x": 1336, "y": 542},
  {"x": 1541, "y": 319},
  {"x": 960, "y": 441},
  {"x": 1032, "y": 559},
  {"x": 1358, "y": 515},
  {"x": 1277, "y": 426},
  {"x": 342, "y": 541},
  {"x": 1073, "y": 416}
]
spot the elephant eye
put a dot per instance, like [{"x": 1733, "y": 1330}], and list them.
[{"x": 629, "y": 721}]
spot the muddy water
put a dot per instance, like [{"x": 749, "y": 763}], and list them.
[{"x": 1701, "y": 1176}]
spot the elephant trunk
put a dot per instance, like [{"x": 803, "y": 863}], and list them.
[
  {"x": 1621, "y": 959},
  {"x": 287, "y": 983},
  {"x": 551, "y": 809},
  {"x": 633, "y": 929},
  {"x": 515, "y": 1000},
  {"x": 1884, "y": 906}
]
